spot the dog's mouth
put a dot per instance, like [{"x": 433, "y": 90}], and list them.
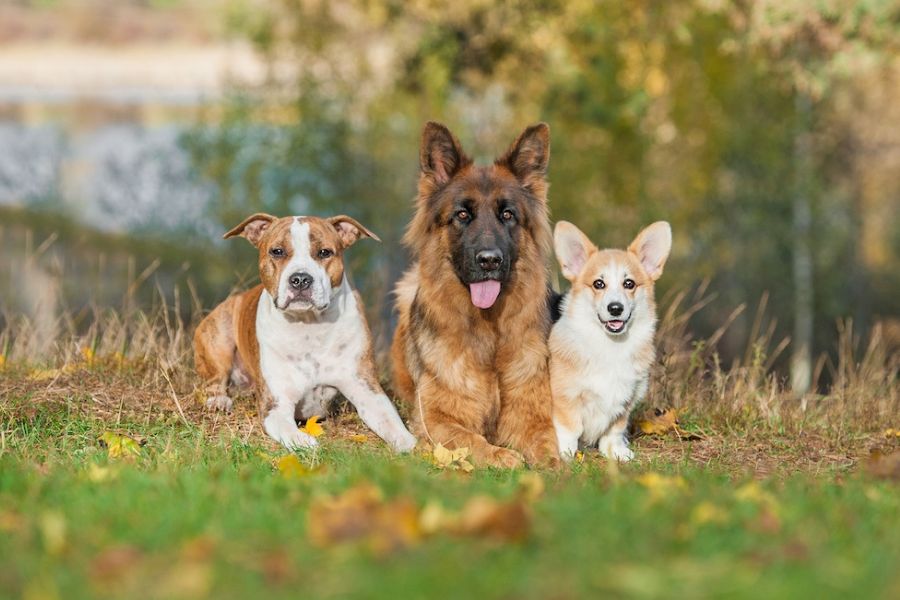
[
  {"x": 484, "y": 293},
  {"x": 615, "y": 326}
]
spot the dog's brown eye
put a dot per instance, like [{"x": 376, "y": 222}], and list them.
[
  {"x": 507, "y": 215},
  {"x": 463, "y": 215},
  {"x": 326, "y": 253},
  {"x": 629, "y": 284},
  {"x": 599, "y": 285},
  {"x": 276, "y": 252}
]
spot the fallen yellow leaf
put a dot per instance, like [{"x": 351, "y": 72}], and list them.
[
  {"x": 358, "y": 438},
  {"x": 312, "y": 426},
  {"x": 707, "y": 512},
  {"x": 87, "y": 353},
  {"x": 455, "y": 460},
  {"x": 45, "y": 374},
  {"x": 52, "y": 525},
  {"x": 2, "y": 362},
  {"x": 120, "y": 446},
  {"x": 661, "y": 486},
  {"x": 661, "y": 422},
  {"x": 532, "y": 486},
  {"x": 98, "y": 474},
  {"x": 290, "y": 467},
  {"x": 361, "y": 514}
]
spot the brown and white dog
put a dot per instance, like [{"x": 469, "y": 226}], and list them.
[
  {"x": 300, "y": 336},
  {"x": 601, "y": 349}
]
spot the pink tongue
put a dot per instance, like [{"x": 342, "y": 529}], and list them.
[{"x": 484, "y": 293}]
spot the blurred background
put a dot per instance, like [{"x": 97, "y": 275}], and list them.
[{"x": 134, "y": 133}]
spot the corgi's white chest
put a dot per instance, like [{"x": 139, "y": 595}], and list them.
[{"x": 606, "y": 393}]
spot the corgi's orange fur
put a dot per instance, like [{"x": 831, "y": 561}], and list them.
[{"x": 602, "y": 347}]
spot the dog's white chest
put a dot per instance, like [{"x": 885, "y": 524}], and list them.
[{"x": 298, "y": 356}]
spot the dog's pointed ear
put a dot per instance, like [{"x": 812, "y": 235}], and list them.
[
  {"x": 350, "y": 230},
  {"x": 441, "y": 155},
  {"x": 573, "y": 249},
  {"x": 529, "y": 155},
  {"x": 252, "y": 228},
  {"x": 652, "y": 246}
]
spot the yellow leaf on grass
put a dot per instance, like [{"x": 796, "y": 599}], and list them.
[
  {"x": 46, "y": 374},
  {"x": 87, "y": 353},
  {"x": 120, "y": 446},
  {"x": 454, "y": 460},
  {"x": 98, "y": 474},
  {"x": 661, "y": 422},
  {"x": 290, "y": 467},
  {"x": 532, "y": 486},
  {"x": 358, "y": 438},
  {"x": 707, "y": 512},
  {"x": 361, "y": 514},
  {"x": 312, "y": 426},
  {"x": 661, "y": 486},
  {"x": 53, "y": 532},
  {"x": 752, "y": 492},
  {"x": 889, "y": 432},
  {"x": 2, "y": 362}
]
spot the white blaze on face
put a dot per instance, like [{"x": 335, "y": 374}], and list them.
[
  {"x": 614, "y": 275},
  {"x": 302, "y": 261}
]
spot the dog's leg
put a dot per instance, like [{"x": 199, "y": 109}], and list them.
[
  {"x": 277, "y": 409},
  {"x": 568, "y": 433},
  {"x": 447, "y": 429},
  {"x": 377, "y": 412},
  {"x": 613, "y": 444},
  {"x": 525, "y": 421},
  {"x": 214, "y": 348}
]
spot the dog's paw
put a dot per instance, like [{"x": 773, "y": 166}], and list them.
[
  {"x": 297, "y": 440},
  {"x": 618, "y": 450},
  {"x": 505, "y": 458},
  {"x": 403, "y": 443},
  {"x": 223, "y": 403}
]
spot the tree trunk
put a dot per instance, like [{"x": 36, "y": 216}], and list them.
[{"x": 801, "y": 357}]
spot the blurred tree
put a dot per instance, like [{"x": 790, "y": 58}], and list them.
[{"x": 716, "y": 115}]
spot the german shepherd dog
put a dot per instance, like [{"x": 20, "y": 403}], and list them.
[{"x": 470, "y": 354}]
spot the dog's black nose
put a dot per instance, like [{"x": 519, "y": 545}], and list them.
[
  {"x": 489, "y": 260},
  {"x": 300, "y": 281},
  {"x": 615, "y": 308}
]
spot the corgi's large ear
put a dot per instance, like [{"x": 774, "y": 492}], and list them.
[
  {"x": 252, "y": 228},
  {"x": 441, "y": 154},
  {"x": 573, "y": 249},
  {"x": 350, "y": 230},
  {"x": 652, "y": 247}
]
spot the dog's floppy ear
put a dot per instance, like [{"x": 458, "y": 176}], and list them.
[
  {"x": 350, "y": 230},
  {"x": 528, "y": 156},
  {"x": 252, "y": 228},
  {"x": 652, "y": 246},
  {"x": 573, "y": 249},
  {"x": 441, "y": 155}
]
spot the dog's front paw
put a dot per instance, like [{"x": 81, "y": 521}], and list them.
[
  {"x": 404, "y": 442},
  {"x": 617, "y": 449},
  {"x": 297, "y": 440},
  {"x": 223, "y": 403},
  {"x": 505, "y": 458},
  {"x": 285, "y": 432}
]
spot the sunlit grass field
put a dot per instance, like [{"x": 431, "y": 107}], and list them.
[
  {"x": 116, "y": 482},
  {"x": 189, "y": 515}
]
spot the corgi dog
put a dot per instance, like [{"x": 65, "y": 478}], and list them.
[{"x": 601, "y": 349}]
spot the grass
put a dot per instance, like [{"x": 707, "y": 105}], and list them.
[
  {"x": 199, "y": 515},
  {"x": 763, "y": 494}
]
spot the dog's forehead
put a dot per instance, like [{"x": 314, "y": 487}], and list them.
[
  {"x": 278, "y": 232},
  {"x": 321, "y": 231},
  {"x": 484, "y": 182},
  {"x": 609, "y": 262}
]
